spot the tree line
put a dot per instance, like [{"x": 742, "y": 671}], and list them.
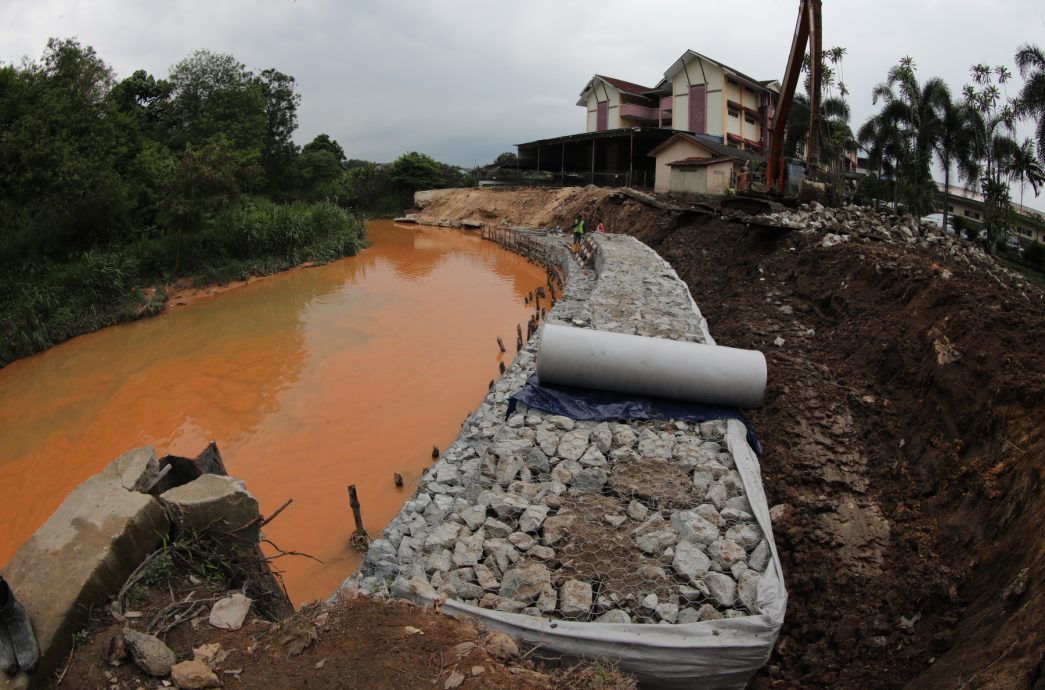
[
  {"x": 972, "y": 135},
  {"x": 108, "y": 185}
]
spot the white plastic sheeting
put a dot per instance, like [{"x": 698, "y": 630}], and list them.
[
  {"x": 710, "y": 374},
  {"x": 709, "y": 654}
]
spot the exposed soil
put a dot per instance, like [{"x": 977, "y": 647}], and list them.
[
  {"x": 903, "y": 434},
  {"x": 904, "y": 453}
]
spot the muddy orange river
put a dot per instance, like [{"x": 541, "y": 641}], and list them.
[{"x": 309, "y": 381}]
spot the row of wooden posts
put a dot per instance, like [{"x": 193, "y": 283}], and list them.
[{"x": 523, "y": 243}]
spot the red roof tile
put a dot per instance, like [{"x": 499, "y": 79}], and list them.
[{"x": 625, "y": 86}]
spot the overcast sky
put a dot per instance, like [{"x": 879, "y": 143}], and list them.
[{"x": 465, "y": 80}]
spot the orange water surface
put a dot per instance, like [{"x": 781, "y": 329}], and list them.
[{"x": 309, "y": 381}]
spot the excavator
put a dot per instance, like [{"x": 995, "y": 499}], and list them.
[{"x": 786, "y": 179}]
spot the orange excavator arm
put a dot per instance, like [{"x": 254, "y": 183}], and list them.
[{"x": 807, "y": 30}]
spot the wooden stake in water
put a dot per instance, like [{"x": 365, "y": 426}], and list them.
[
  {"x": 500, "y": 343},
  {"x": 398, "y": 479},
  {"x": 353, "y": 501}
]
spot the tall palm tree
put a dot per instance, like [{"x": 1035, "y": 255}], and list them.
[
  {"x": 955, "y": 145},
  {"x": 1024, "y": 167},
  {"x": 912, "y": 109},
  {"x": 883, "y": 143},
  {"x": 1031, "y": 62}
]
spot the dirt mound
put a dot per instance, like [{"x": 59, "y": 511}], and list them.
[{"x": 902, "y": 426}]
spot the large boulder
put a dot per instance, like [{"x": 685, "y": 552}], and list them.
[
  {"x": 135, "y": 470},
  {"x": 213, "y": 503},
  {"x": 84, "y": 553}
]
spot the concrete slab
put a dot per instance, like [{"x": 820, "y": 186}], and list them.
[{"x": 83, "y": 554}]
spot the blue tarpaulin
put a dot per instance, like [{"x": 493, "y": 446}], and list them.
[{"x": 595, "y": 406}]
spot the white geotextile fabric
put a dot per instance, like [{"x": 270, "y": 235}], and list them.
[{"x": 709, "y": 654}]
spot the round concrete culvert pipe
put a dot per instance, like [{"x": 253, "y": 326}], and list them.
[{"x": 659, "y": 367}]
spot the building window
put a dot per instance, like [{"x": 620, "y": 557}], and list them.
[
  {"x": 950, "y": 208},
  {"x": 748, "y": 119},
  {"x": 971, "y": 214},
  {"x": 734, "y": 113}
]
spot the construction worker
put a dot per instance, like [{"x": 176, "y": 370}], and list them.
[{"x": 578, "y": 234}]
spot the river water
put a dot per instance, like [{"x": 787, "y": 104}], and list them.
[{"x": 309, "y": 381}]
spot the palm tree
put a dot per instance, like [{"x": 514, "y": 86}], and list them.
[
  {"x": 1023, "y": 167},
  {"x": 955, "y": 145},
  {"x": 912, "y": 109},
  {"x": 1031, "y": 62},
  {"x": 882, "y": 141}
]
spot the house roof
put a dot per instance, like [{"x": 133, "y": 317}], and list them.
[
  {"x": 690, "y": 162},
  {"x": 714, "y": 148}
]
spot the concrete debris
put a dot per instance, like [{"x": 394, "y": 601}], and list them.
[
  {"x": 230, "y": 612},
  {"x": 149, "y": 653},
  {"x": 194, "y": 675}
]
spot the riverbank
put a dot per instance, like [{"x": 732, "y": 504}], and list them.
[{"x": 48, "y": 300}]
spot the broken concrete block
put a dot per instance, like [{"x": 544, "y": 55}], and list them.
[
  {"x": 213, "y": 503},
  {"x": 135, "y": 470},
  {"x": 82, "y": 555}
]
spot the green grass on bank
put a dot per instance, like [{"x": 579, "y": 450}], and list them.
[
  {"x": 48, "y": 300},
  {"x": 1035, "y": 277}
]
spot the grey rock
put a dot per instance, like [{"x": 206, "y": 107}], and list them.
[
  {"x": 709, "y": 613},
  {"x": 442, "y": 537},
  {"x": 149, "y": 653},
  {"x": 474, "y": 516},
  {"x": 702, "y": 480},
  {"x": 522, "y": 541},
  {"x": 747, "y": 534},
  {"x": 723, "y": 588},
  {"x": 516, "y": 421},
  {"x": 532, "y": 518},
  {"x": 446, "y": 473},
  {"x": 555, "y": 528},
  {"x": 726, "y": 552},
  {"x": 759, "y": 557},
  {"x": 496, "y": 528},
  {"x": 734, "y": 515},
  {"x": 469, "y": 550},
  {"x": 637, "y": 511},
  {"x": 692, "y": 527},
  {"x": 602, "y": 438},
  {"x": 687, "y": 615},
  {"x": 654, "y": 543},
  {"x": 624, "y": 437},
  {"x": 656, "y": 445},
  {"x": 690, "y": 561},
  {"x": 574, "y": 599},
  {"x": 510, "y": 605},
  {"x": 590, "y": 480},
  {"x": 544, "y": 553},
  {"x": 527, "y": 582},
  {"x": 213, "y": 502},
  {"x": 561, "y": 422},
  {"x": 508, "y": 468},
  {"x": 649, "y": 603},
  {"x": 615, "y": 520},
  {"x": 548, "y": 441},
  {"x": 501, "y": 553},
  {"x": 614, "y": 616},
  {"x": 592, "y": 457},
  {"x": 508, "y": 505},
  {"x": 536, "y": 460},
  {"x": 747, "y": 590},
  {"x": 441, "y": 560},
  {"x": 717, "y": 495},
  {"x": 485, "y": 577},
  {"x": 667, "y": 612},
  {"x": 573, "y": 444}
]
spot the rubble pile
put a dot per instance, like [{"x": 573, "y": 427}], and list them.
[{"x": 641, "y": 522}]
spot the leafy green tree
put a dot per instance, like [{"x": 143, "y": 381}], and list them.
[
  {"x": 323, "y": 142},
  {"x": 278, "y": 150},
  {"x": 1030, "y": 60},
  {"x": 508, "y": 159},
  {"x": 1024, "y": 168},
  {"x": 414, "y": 171}
]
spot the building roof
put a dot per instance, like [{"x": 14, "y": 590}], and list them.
[
  {"x": 695, "y": 162},
  {"x": 714, "y": 148},
  {"x": 625, "y": 86},
  {"x": 679, "y": 64}
]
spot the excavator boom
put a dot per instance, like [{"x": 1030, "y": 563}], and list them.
[{"x": 807, "y": 31}]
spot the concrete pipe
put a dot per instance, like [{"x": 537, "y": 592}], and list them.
[{"x": 658, "y": 367}]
